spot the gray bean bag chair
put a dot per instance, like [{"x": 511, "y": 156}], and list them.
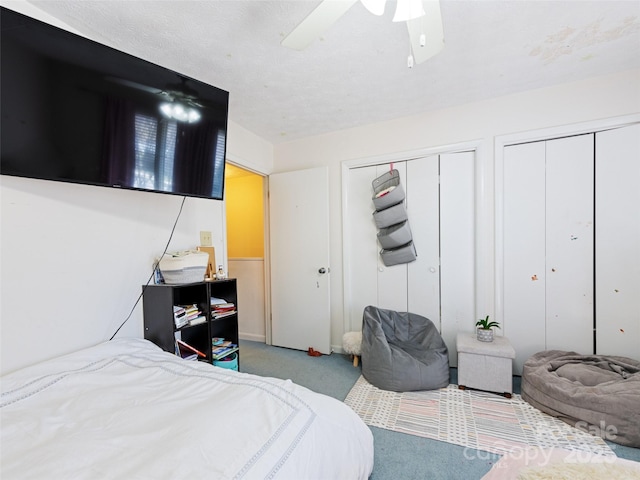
[
  {"x": 596, "y": 393},
  {"x": 402, "y": 351}
]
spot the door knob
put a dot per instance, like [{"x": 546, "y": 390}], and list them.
[{"x": 322, "y": 271}]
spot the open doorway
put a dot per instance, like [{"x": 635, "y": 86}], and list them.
[{"x": 245, "y": 212}]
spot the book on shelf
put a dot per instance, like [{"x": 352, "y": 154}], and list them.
[
  {"x": 182, "y": 352},
  {"x": 217, "y": 301},
  {"x": 221, "y": 348},
  {"x": 224, "y": 306},
  {"x": 179, "y": 316},
  {"x": 222, "y": 310},
  {"x": 182, "y": 346},
  {"x": 181, "y": 322},
  {"x": 221, "y": 353},
  {"x": 198, "y": 320},
  {"x": 187, "y": 315}
]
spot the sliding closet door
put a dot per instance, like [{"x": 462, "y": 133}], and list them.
[
  {"x": 361, "y": 255},
  {"x": 370, "y": 282},
  {"x": 392, "y": 281},
  {"x": 457, "y": 247},
  {"x": 569, "y": 244},
  {"x": 617, "y": 242},
  {"x": 423, "y": 206},
  {"x": 439, "y": 284},
  {"x": 548, "y": 246},
  {"x": 524, "y": 249}
]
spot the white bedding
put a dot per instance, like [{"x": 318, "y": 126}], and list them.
[{"x": 126, "y": 409}]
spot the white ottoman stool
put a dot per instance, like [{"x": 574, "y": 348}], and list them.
[
  {"x": 485, "y": 365},
  {"x": 352, "y": 344}
]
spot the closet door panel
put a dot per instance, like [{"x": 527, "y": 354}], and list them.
[
  {"x": 392, "y": 281},
  {"x": 457, "y": 246},
  {"x": 569, "y": 244},
  {"x": 618, "y": 242},
  {"x": 360, "y": 233},
  {"x": 524, "y": 249},
  {"x": 423, "y": 211}
]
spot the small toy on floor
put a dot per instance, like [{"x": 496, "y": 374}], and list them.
[{"x": 313, "y": 353}]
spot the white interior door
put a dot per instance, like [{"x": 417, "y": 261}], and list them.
[
  {"x": 299, "y": 237},
  {"x": 618, "y": 242}
]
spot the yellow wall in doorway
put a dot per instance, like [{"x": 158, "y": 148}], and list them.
[{"x": 245, "y": 213}]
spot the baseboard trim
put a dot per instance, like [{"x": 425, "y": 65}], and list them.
[{"x": 252, "y": 337}]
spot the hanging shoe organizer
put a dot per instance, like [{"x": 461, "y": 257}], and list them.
[{"x": 390, "y": 217}]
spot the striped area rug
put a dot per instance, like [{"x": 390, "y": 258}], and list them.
[{"x": 469, "y": 418}]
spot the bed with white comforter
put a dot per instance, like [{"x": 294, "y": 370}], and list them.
[{"x": 126, "y": 409}]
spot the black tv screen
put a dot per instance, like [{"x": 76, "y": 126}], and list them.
[{"x": 74, "y": 110}]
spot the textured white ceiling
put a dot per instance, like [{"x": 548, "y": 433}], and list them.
[{"x": 357, "y": 72}]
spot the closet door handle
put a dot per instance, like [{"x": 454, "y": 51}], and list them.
[{"x": 322, "y": 271}]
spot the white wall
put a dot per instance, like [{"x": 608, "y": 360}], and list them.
[
  {"x": 588, "y": 100},
  {"x": 251, "y": 297}
]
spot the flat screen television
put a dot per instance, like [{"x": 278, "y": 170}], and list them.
[{"x": 74, "y": 110}]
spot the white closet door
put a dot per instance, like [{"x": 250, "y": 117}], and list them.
[
  {"x": 361, "y": 288},
  {"x": 618, "y": 242},
  {"x": 423, "y": 207},
  {"x": 569, "y": 244},
  {"x": 524, "y": 249},
  {"x": 392, "y": 281},
  {"x": 457, "y": 247}
]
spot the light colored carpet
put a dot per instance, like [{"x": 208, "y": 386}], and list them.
[{"x": 469, "y": 418}]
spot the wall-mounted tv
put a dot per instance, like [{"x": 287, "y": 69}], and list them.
[{"x": 74, "y": 110}]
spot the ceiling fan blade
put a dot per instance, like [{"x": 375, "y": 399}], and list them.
[
  {"x": 431, "y": 26},
  {"x": 135, "y": 85},
  {"x": 318, "y": 21},
  {"x": 374, "y": 6}
]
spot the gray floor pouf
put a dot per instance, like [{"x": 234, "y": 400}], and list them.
[{"x": 402, "y": 351}]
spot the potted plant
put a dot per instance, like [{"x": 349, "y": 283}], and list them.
[{"x": 484, "y": 331}]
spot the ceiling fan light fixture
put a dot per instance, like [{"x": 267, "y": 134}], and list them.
[
  {"x": 194, "y": 115},
  {"x": 166, "y": 109},
  {"x": 408, "y": 10},
  {"x": 374, "y": 6},
  {"x": 177, "y": 111}
]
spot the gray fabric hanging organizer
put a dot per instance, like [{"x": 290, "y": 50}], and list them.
[
  {"x": 396, "y": 256},
  {"x": 390, "y": 217},
  {"x": 395, "y": 236},
  {"x": 387, "y": 190}
]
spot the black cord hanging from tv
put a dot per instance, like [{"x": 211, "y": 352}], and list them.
[{"x": 153, "y": 271}]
